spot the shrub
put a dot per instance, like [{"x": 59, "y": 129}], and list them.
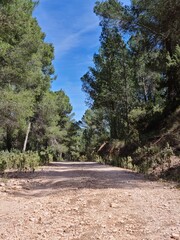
[
  {"x": 19, "y": 161},
  {"x": 152, "y": 156}
]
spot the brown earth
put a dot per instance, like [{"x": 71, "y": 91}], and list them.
[{"x": 83, "y": 201}]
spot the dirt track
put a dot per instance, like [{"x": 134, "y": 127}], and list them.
[{"x": 83, "y": 201}]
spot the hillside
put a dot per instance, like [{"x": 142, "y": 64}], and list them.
[{"x": 157, "y": 154}]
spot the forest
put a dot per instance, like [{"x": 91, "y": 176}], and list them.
[{"x": 132, "y": 90}]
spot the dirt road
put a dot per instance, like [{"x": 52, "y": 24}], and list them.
[{"x": 84, "y": 201}]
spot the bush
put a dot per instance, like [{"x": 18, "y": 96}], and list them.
[
  {"x": 151, "y": 157},
  {"x": 19, "y": 161},
  {"x": 45, "y": 157}
]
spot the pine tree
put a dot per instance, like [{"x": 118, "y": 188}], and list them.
[
  {"x": 159, "y": 25},
  {"x": 110, "y": 83}
]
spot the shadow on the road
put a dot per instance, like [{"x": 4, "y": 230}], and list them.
[{"x": 74, "y": 176}]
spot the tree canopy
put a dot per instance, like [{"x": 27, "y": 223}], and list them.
[
  {"x": 135, "y": 78},
  {"x": 28, "y": 108}
]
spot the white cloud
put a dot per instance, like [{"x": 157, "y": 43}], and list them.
[
  {"x": 73, "y": 39},
  {"x": 67, "y": 28},
  {"x": 72, "y": 27}
]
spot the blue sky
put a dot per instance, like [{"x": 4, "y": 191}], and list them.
[{"x": 73, "y": 29}]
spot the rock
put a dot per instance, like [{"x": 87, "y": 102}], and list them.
[
  {"x": 2, "y": 184},
  {"x": 40, "y": 220},
  {"x": 75, "y": 209},
  {"x": 46, "y": 213},
  {"x": 175, "y": 236},
  {"x": 121, "y": 222},
  {"x": 31, "y": 219},
  {"x": 113, "y": 205}
]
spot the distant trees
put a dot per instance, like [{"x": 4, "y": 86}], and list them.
[{"x": 94, "y": 130}]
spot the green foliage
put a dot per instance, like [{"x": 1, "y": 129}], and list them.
[
  {"x": 123, "y": 162},
  {"x": 15, "y": 108},
  {"x": 28, "y": 109},
  {"x": 25, "y": 59},
  {"x": 94, "y": 132},
  {"x": 45, "y": 156},
  {"x": 152, "y": 157},
  {"x": 175, "y": 59},
  {"x": 134, "y": 81},
  {"x": 173, "y": 63},
  {"x": 109, "y": 83},
  {"x": 19, "y": 161},
  {"x": 52, "y": 124},
  {"x": 158, "y": 25},
  {"x": 3, "y": 165}
]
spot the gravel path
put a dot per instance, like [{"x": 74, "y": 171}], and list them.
[{"x": 84, "y": 201}]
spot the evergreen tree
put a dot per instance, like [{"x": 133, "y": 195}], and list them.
[
  {"x": 32, "y": 117},
  {"x": 159, "y": 25},
  {"x": 110, "y": 83},
  {"x": 95, "y": 131}
]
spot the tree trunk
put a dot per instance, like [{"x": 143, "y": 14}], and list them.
[
  {"x": 113, "y": 127},
  {"x": 171, "y": 74},
  {"x": 8, "y": 139},
  {"x": 26, "y": 138}
]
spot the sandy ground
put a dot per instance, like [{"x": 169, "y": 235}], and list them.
[{"x": 83, "y": 201}]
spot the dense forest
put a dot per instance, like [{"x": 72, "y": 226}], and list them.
[
  {"x": 34, "y": 120},
  {"x": 132, "y": 90}
]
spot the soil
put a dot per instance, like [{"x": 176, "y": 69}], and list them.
[{"x": 84, "y": 201}]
